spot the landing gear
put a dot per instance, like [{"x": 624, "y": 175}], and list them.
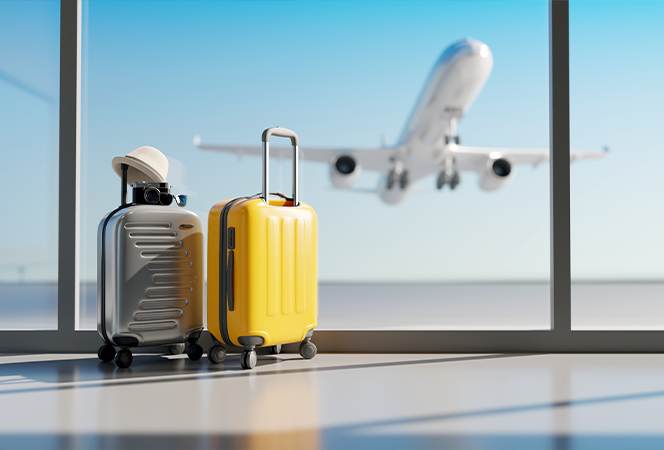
[
  {"x": 249, "y": 359},
  {"x": 403, "y": 179},
  {"x": 176, "y": 349},
  {"x": 445, "y": 178},
  {"x": 449, "y": 175},
  {"x": 454, "y": 181},
  {"x": 106, "y": 353},
  {"x": 308, "y": 349},
  {"x": 395, "y": 176},
  {"x": 216, "y": 354},
  {"x": 392, "y": 179},
  {"x": 456, "y": 139},
  {"x": 124, "y": 358}
]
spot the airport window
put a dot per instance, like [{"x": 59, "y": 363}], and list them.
[
  {"x": 473, "y": 255},
  {"x": 616, "y": 213},
  {"x": 29, "y": 101},
  {"x": 375, "y": 263}
]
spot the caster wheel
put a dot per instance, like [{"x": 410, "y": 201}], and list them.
[
  {"x": 195, "y": 352},
  {"x": 124, "y": 359},
  {"x": 176, "y": 349},
  {"x": 106, "y": 353},
  {"x": 275, "y": 349},
  {"x": 216, "y": 354},
  {"x": 248, "y": 359},
  {"x": 308, "y": 350}
]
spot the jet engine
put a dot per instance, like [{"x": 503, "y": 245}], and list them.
[
  {"x": 498, "y": 173},
  {"x": 344, "y": 171}
]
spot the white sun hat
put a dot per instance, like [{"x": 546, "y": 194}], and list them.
[{"x": 145, "y": 164}]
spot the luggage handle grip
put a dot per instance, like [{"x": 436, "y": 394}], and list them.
[{"x": 280, "y": 132}]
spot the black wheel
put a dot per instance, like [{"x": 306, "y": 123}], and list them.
[
  {"x": 124, "y": 359},
  {"x": 308, "y": 350},
  {"x": 248, "y": 359},
  {"x": 176, "y": 349},
  {"x": 457, "y": 139},
  {"x": 403, "y": 179},
  {"x": 275, "y": 349},
  {"x": 440, "y": 181},
  {"x": 216, "y": 354},
  {"x": 391, "y": 179},
  {"x": 195, "y": 352},
  {"x": 106, "y": 353},
  {"x": 455, "y": 180}
]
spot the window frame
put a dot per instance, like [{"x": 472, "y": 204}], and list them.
[{"x": 560, "y": 338}]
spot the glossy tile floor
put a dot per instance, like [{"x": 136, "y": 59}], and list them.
[{"x": 335, "y": 401}]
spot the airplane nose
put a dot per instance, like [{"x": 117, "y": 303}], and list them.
[
  {"x": 465, "y": 47},
  {"x": 476, "y": 47}
]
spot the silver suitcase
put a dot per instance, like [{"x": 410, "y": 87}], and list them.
[{"x": 149, "y": 280}]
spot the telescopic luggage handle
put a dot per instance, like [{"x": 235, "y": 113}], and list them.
[{"x": 281, "y": 132}]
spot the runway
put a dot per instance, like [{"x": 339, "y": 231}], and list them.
[{"x": 509, "y": 306}]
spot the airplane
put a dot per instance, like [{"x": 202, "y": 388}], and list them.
[{"x": 429, "y": 142}]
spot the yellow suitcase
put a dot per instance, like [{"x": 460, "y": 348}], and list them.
[{"x": 262, "y": 269}]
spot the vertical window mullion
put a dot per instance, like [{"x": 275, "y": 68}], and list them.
[
  {"x": 68, "y": 168},
  {"x": 559, "y": 151}
]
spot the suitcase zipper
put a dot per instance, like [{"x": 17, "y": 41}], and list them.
[{"x": 223, "y": 274}]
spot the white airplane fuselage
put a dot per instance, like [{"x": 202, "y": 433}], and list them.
[
  {"x": 455, "y": 82},
  {"x": 429, "y": 143}
]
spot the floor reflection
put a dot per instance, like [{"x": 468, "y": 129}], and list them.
[{"x": 510, "y": 401}]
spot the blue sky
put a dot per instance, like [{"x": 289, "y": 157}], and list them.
[{"x": 159, "y": 72}]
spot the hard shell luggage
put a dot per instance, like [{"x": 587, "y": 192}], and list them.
[
  {"x": 262, "y": 269},
  {"x": 149, "y": 274}
]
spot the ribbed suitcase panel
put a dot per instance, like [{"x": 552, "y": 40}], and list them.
[
  {"x": 273, "y": 265},
  {"x": 286, "y": 269},
  {"x": 153, "y": 275},
  {"x": 275, "y": 272}
]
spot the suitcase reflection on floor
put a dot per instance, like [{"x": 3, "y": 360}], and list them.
[{"x": 264, "y": 408}]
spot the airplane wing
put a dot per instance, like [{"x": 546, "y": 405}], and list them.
[
  {"x": 370, "y": 159},
  {"x": 474, "y": 158}
]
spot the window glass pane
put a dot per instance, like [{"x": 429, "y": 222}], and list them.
[
  {"x": 343, "y": 74},
  {"x": 616, "y": 215},
  {"x": 29, "y": 102}
]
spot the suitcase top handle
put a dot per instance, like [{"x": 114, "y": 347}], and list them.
[{"x": 280, "y": 132}]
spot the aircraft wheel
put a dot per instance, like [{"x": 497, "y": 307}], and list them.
[
  {"x": 440, "y": 181},
  {"x": 403, "y": 179},
  {"x": 455, "y": 180},
  {"x": 391, "y": 179}
]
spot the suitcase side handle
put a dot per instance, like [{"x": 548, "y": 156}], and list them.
[{"x": 280, "y": 132}]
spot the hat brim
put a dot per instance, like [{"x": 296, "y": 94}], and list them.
[{"x": 149, "y": 174}]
